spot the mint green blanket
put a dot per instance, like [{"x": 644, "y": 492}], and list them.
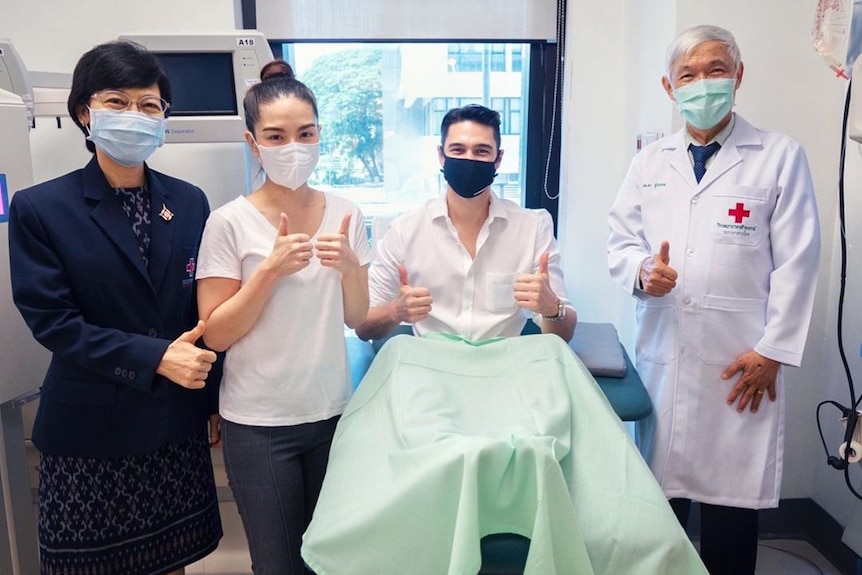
[{"x": 447, "y": 441}]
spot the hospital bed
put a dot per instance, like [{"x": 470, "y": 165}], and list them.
[
  {"x": 598, "y": 347},
  {"x": 616, "y": 374}
]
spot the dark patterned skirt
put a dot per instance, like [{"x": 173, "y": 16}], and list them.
[{"x": 141, "y": 515}]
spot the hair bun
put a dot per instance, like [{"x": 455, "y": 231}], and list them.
[{"x": 278, "y": 68}]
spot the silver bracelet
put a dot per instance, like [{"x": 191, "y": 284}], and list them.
[{"x": 561, "y": 313}]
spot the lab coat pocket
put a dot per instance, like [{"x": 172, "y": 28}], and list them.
[
  {"x": 657, "y": 326},
  {"x": 500, "y": 291},
  {"x": 740, "y": 215},
  {"x": 730, "y": 327}
]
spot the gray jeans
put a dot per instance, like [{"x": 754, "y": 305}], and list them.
[{"x": 275, "y": 474}]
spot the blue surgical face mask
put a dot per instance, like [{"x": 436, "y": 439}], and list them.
[
  {"x": 468, "y": 178},
  {"x": 704, "y": 103},
  {"x": 128, "y": 138}
]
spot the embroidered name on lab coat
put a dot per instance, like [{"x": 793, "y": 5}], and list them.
[{"x": 738, "y": 228}]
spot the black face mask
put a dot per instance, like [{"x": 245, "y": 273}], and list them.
[{"x": 468, "y": 177}]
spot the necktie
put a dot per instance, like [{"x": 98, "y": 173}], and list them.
[{"x": 701, "y": 154}]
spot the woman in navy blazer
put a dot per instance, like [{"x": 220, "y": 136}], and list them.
[{"x": 102, "y": 263}]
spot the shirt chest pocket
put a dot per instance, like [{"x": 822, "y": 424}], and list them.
[
  {"x": 739, "y": 215},
  {"x": 500, "y": 292}
]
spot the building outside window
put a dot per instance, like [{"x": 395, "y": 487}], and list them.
[{"x": 380, "y": 110}]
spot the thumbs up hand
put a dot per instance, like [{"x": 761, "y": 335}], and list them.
[
  {"x": 533, "y": 291},
  {"x": 334, "y": 251},
  {"x": 290, "y": 252},
  {"x": 656, "y": 276},
  {"x": 184, "y": 363},
  {"x": 193, "y": 334},
  {"x": 413, "y": 304}
]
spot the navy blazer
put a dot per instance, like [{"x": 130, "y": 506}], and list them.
[{"x": 83, "y": 289}]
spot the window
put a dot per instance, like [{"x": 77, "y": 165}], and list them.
[
  {"x": 466, "y": 57},
  {"x": 438, "y": 108},
  {"x": 516, "y": 57},
  {"x": 510, "y": 114},
  {"x": 498, "y": 57},
  {"x": 381, "y": 105}
]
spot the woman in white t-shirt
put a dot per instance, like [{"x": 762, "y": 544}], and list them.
[{"x": 280, "y": 272}]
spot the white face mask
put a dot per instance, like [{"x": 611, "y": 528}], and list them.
[{"x": 289, "y": 165}]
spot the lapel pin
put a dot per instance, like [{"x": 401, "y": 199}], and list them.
[{"x": 166, "y": 214}]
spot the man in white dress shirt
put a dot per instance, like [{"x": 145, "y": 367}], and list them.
[{"x": 469, "y": 263}]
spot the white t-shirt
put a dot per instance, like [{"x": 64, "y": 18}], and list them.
[
  {"x": 472, "y": 298},
  {"x": 291, "y": 366}
]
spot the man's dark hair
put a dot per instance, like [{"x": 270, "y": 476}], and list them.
[{"x": 473, "y": 113}]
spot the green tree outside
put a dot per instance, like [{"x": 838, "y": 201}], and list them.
[{"x": 349, "y": 90}]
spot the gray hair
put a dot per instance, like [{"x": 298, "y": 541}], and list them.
[{"x": 689, "y": 39}]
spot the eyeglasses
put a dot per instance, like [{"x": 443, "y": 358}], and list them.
[{"x": 120, "y": 102}]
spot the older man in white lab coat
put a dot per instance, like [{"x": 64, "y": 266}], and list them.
[{"x": 715, "y": 233}]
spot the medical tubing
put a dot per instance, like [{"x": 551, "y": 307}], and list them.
[
  {"x": 843, "y": 279},
  {"x": 850, "y": 414},
  {"x": 845, "y": 412},
  {"x": 558, "y": 71}
]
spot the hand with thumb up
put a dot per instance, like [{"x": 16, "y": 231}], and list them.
[
  {"x": 334, "y": 251},
  {"x": 533, "y": 291},
  {"x": 413, "y": 304},
  {"x": 186, "y": 364},
  {"x": 656, "y": 276},
  {"x": 290, "y": 253}
]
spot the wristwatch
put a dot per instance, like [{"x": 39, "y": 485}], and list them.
[{"x": 561, "y": 312}]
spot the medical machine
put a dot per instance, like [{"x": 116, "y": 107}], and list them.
[
  {"x": 13, "y": 76},
  {"x": 20, "y": 361},
  {"x": 209, "y": 76},
  {"x": 23, "y": 362}
]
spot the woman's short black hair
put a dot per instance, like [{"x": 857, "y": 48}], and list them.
[
  {"x": 114, "y": 66},
  {"x": 277, "y": 81}
]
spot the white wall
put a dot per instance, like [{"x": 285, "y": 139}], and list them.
[
  {"x": 614, "y": 59},
  {"x": 614, "y": 62},
  {"x": 50, "y": 35}
]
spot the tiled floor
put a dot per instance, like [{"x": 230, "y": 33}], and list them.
[
  {"x": 790, "y": 557},
  {"x": 775, "y": 557}
]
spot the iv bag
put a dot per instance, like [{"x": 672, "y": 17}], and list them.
[{"x": 830, "y": 33}]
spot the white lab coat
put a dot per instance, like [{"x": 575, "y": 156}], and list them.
[{"x": 746, "y": 244}]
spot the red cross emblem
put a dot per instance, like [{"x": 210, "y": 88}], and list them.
[
  {"x": 191, "y": 267},
  {"x": 739, "y": 213}
]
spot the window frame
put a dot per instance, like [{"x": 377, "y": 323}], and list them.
[{"x": 541, "y": 157}]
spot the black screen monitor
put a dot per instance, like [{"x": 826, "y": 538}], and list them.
[{"x": 202, "y": 84}]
